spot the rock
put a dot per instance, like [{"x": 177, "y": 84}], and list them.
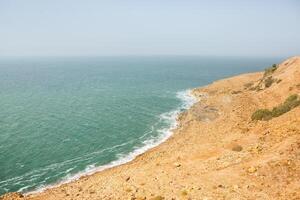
[
  {"x": 177, "y": 164},
  {"x": 140, "y": 198},
  {"x": 128, "y": 190},
  {"x": 235, "y": 187},
  {"x": 252, "y": 169},
  {"x": 259, "y": 148},
  {"x": 237, "y": 148},
  {"x": 157, "y": 198},
  {"x": 92, "y": 191},
  {"x": 127, "y": 179},
  {"x": 247, "y": 186},
  {"x": 184, "y": 192}
]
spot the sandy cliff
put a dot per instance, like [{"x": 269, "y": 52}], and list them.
[{"x": 217, "y": 152}]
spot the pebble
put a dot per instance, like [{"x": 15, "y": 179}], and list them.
[
  {"x": 237, "y": 148},
  {"x": 157, "y": 198},
  {"x": 235, "y": 187},
  {"x": 177, "y": 164},
  {"x": 252, "y": 169},
  {"x": 184, "y": 192}
]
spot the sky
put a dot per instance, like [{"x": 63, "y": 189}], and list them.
[{"x": 149, "y": 27}]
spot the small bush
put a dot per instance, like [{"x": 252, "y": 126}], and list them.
[
  {"x": 265, "y": 114},
  {"x": 293, "y": 103},
  {"x": 262, "y": 114},
  {"x": 279, "y": 110},
  {"x": 269, "y": 81},
  {"x": 270, "y": 70},
  {"x": 291, "y": 98}
]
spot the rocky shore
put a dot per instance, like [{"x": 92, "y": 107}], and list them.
[{"x": 218, "y": 151}]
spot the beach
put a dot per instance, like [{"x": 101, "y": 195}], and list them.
[{"x": 216, "y": 152}]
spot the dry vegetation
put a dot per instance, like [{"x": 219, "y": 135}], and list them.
[{"x": 265, "y": 114}]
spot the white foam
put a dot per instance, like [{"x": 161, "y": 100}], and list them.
[{"x": 187, "y": 100}]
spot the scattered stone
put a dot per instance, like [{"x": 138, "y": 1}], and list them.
[
  {"x": 128, "y": 190},
  {"x": 236, "y": 92},
  {"x": 235, "y": 187},
  {"x": 252, "y": 169},
  {"x": 92, "y": 191},
  {"x": 140, "y": 198},
  {"x": 259, "y": 148},
  {"x": 184, "y": 192},
  {"x": 247, "y": 186},
  {"x": 177, "y": 164},
  {"x": 127, "y": 179},
  {"x": 157, "y": 198},
  {"x": 237, "y": 148}
]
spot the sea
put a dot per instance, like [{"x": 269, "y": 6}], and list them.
[{"x": 64, "y": 117}]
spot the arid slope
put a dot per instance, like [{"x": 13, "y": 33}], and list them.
[{"x": 217, "y": 152}]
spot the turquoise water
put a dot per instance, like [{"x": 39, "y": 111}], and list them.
[{"x": 64, "y": 117}]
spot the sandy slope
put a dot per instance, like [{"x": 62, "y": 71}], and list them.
[{"x": 218, "y": 152}]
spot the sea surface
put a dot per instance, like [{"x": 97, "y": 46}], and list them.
[{"x": 61, "y": 118}]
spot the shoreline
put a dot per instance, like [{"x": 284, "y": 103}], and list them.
[
  {"x": 216, "y": 151},
  {"x": 188, "y": 99}
]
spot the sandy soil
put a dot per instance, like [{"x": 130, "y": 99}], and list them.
[{"x": 217, "y": 152}]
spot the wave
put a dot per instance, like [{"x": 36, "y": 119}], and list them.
[{"x": 169, "y": 118}]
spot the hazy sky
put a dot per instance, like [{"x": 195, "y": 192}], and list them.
[{"x": 149, "y": 27}]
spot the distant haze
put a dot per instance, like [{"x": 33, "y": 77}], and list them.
[{"x": 149, "y": 27}]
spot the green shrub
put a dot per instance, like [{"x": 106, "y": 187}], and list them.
[
  {"x": 291, "y": 98},
  {"x": 270, "y": 70},
  {"x": 264, "y": 114},
  {"x": 279, "y": 110},
  {"x": 269, "y": 81}
]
